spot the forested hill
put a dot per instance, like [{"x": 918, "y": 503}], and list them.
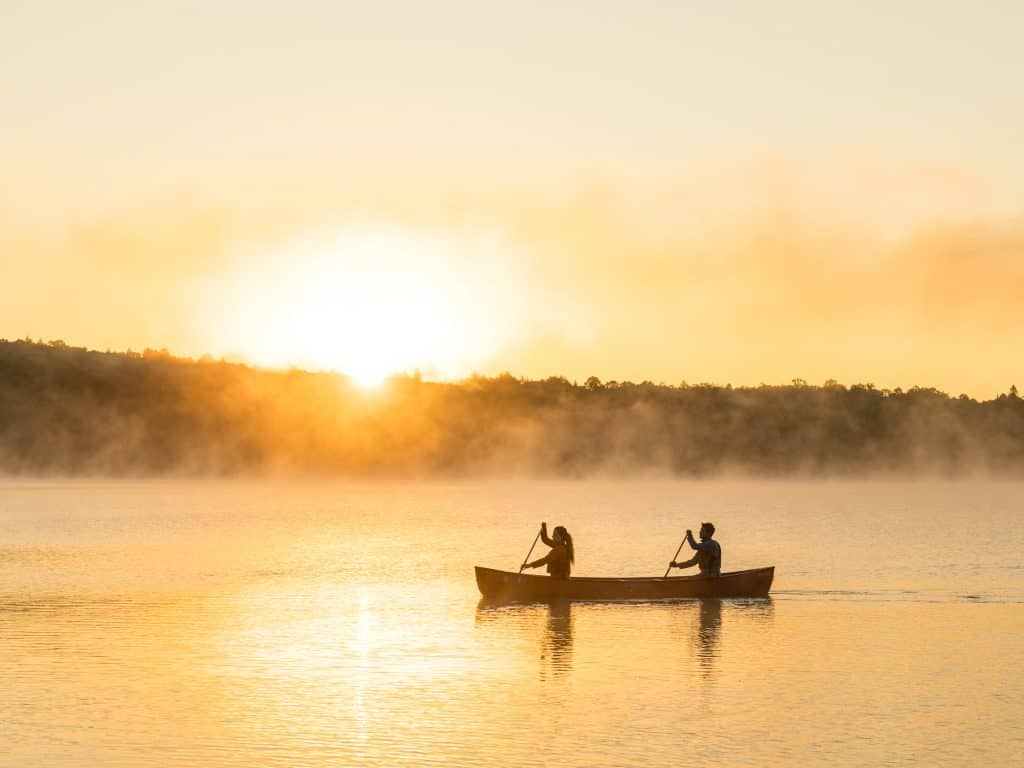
[{"x": 66, "y": 410}]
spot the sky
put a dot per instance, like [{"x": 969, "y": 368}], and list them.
[{"x": 666, "y": 191}]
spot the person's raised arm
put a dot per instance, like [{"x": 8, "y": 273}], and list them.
[
  {"x": 544, "y": 535},
  {"x": 698, "y": 545}
]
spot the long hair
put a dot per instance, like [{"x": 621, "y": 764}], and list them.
[{"x": 563, "y": 535}]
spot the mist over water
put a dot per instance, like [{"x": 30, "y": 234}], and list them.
[
  {"x": 69, "y": 411},
  {"x": 295, "y": 623}
]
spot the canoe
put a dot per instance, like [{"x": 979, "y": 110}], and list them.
[{"x": 505, "y": 586}]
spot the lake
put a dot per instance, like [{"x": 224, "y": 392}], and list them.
[{"x": 314, "y": 623}]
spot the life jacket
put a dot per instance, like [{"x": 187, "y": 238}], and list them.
[
  {"x": 710, "y": 560},
  {"x": 559, "y": 564}
]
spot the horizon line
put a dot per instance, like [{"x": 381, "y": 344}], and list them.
[{"x": 591, "y": 382}]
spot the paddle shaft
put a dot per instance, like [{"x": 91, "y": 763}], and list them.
[
  {"x": 535, "y": 539},
  {"x": 673, "y": 559}
]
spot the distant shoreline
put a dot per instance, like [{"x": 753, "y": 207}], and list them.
[{"x": 72, "y": 411}]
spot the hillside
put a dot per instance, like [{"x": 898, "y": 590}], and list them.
[{"x": 66, "y": 410}]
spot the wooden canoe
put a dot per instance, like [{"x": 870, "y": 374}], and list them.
[{"x": 504, "y": 586}]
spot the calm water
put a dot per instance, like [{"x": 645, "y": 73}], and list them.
[{"x": 163, "y": 624}]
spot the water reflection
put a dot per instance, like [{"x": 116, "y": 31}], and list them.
[
  {"x": 556, "y": 641},
  {"x": 706, "y": 638},
  {"x": 705, "y": 619},
  {"x": 556, "y": 633}
]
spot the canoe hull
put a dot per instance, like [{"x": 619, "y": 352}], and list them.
[{"x": 503, "y": 586}]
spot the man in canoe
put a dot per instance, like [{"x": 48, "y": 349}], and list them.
[
  {"x": 561, "y": 557},
  {"x": 709, "y": 554}
]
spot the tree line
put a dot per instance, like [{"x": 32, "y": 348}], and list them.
[{"x": 69, "y": 410}]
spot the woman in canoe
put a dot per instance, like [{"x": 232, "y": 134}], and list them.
[{"x": 561, "y": 557}]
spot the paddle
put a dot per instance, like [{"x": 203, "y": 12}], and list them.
[
  {"x": 527, "y": 558},
  {"x": 673, "y": 559}
]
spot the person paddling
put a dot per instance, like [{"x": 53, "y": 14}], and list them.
[
  {"x": 709, "y": 554},
  {"x": 561, "y": 557}
]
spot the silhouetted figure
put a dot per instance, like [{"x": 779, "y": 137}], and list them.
[
  {"x": 561, "y": 557},
  {"x": 709, "y": 554}
]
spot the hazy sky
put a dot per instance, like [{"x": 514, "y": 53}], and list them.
[{"x": 739, "y": 192}]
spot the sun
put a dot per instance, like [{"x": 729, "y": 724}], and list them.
[
  {"x": 370, "y": 326},
  {"x": 368, "y": 302}
]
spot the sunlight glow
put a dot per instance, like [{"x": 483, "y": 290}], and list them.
[{"x": 369, "y": 302}]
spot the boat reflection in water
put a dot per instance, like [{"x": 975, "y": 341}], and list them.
[
  {"x": 556, "y": 637},
  {"x": 707, "y": 634},
  {"x": 704, "y": 619},
  {"x": 556, "y": 642}
]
